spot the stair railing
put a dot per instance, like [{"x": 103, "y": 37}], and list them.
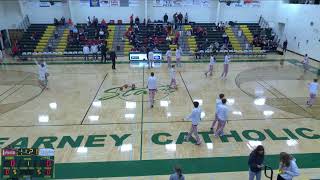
[{"x": 266, "y": 168}]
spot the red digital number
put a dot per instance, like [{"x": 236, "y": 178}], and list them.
[
  {"x": 12, "y": 163},
  {"x": 48, "y": 172},
  {"x": 6, "y": 171},
  {"x": 48, "y": 163}
]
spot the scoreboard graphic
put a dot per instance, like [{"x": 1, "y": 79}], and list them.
[{"x": 27, "y": 163}]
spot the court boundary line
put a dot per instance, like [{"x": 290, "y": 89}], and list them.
[
  {"x": 157, "y": 167},
  {"x": 150, "y": 122},
  {"x": 281, "y": 94},
  {"x": 142, "y": 111},
  {"x": 186, "y": 87},
  {"x": 85, "y": 115}
]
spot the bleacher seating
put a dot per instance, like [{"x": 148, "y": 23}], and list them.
[
  {"x": 148, "y": 31},
  {"x": 28, "y": 45},
  {"x": 213, "y": 36}
]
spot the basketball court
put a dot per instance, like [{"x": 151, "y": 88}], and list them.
[{"x": 89, "y": 120}]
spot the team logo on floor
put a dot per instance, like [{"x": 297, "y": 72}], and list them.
[{"x": 134, "y": 92}]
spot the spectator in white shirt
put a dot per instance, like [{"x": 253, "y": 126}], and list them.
[
  {"x": 101, "y": 34},
  {"x": 212, "y": 62},
  {"x": 225, "y": 66},
  {"x": 173, "y": 83},
  {"x": 218, "y": 102},
  {"x": 152, "y": 87},
  {"x": 86, "y": 52},
  {"x": 195, "y": 118},
  {"x": 94, "y": 51},
  {"x": 313, "y": 91},
  {"x": 178, "y": 56},
  {"x": 168, "y": 55},
  {"x": 305, "y": 63},
  {"x": 222, "y": 116}
]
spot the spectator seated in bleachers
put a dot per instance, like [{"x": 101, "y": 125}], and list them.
[
  {"x": 103, "y": 25},
  {"x": 70, "y": 23},
  {"x": 101, "y": 34}
]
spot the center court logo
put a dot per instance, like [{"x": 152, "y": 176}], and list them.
[{"x": 134, "y": 94}]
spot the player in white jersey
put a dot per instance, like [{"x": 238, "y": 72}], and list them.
[
  {"x": 169, "y": 55},
  {"x": 43, "y": 74},
  {"x": 178, "y": 56},
  {"x": 218, "y": 102},
  {"x": 222, "y": 115},
  {"x": 150, "y": 59},
  {"x": 152, "y": 87},
  {"x": 173, "y": 83},
  {"x": 195, "y": 118},
  {"x": 211, "y": 64},
  {"x": 313, "y": 91},
  {"x": 225, "y": 66}
]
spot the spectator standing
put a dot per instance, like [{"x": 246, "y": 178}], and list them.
[
  {"x": 255, "y": 163},
  {"x": 137, "y": 20},
  {"x": 186, "y": 18},
  {"x": 131, "y": 20},
  {"x": 113, "y": 57},
  {"x": 180, "y": 18},
  {"x": 165, "y": 18},
  {"x": 103, "y": 50},
  {"x": 284, "y": 46}
]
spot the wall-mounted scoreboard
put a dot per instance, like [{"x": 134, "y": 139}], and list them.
[{"x": 27, "y": 163}]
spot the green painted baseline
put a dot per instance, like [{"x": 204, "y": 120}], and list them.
[{"x": 164, "y": 166}]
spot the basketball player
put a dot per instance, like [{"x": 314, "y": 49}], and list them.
[
  {"x": 313, "y": 91},
  {"x": 43, "y": 74},
  {"x": 225, "y": 66},
  {"x": 173, "y": 83},
  {"x": 222, "y": 115},
  {"x": 212, "y": 62},
  {"x": 168, "y": 55},
  {"x": 152, "y": 87},
  {"x": 218, "y": 102},
  {"x": 150, "y": 59},
  {"x": 305, "y": 63},
  {"x": 178, "y": 56},
  {"x": 195, "y": 118}
]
